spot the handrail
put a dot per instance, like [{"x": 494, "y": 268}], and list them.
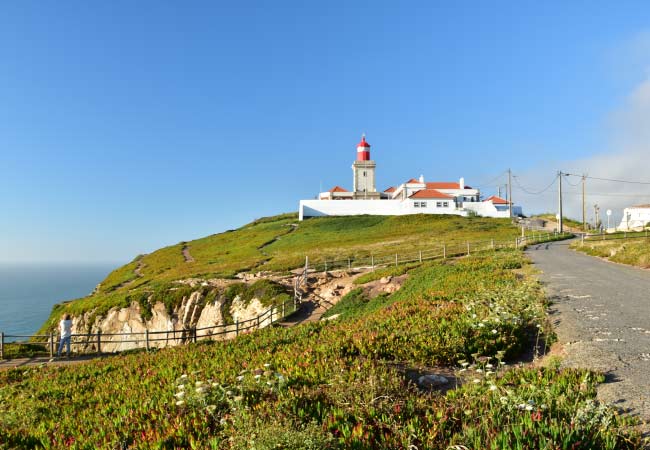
[
  {"x": 268, "y": 317},
  {"x": 277, "y": 312}
]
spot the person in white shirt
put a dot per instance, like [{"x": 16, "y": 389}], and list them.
[{"x": 65, "y": 329}]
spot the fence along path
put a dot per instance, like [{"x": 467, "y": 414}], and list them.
[{"x": 93, "y": 342}]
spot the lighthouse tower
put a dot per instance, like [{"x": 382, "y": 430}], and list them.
[{"x": 363, "y": 171}]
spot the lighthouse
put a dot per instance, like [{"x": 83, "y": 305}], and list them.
[{"x": 363, "y": 173}]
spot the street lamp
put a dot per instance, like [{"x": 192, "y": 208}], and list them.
[{"x": 609, "y": 213}]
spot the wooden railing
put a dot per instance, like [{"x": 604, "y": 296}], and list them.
[
  {"x": 93, "y": 342},
  {"x": 441, "y": 251}
]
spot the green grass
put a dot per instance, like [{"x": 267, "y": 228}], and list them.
[
  {"x": 634, "y": 251},
  {"x": 335, "y": 384},
  {"x": 277, "y": 244}
]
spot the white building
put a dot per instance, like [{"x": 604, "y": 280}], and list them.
[
  {"x": 415, "y": 196},
  {"x": 635, "y": 218}
]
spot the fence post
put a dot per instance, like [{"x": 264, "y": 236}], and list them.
[
  {"x": 395, "y": 259},
  {"x": 325, "y": 265},
  {"x": 271, "y": 316},
  {"x": 467, "y": 248},
  {"x": 420, "y": 255},
  {"x": 282, "y": 309},
  {"x": 372, "y": 262},
  {"x": 582, "y": 239},
  {"x": 349, "y": 263},
  {"x": 492, "y": 244},
  {"x": 516, "y": 242},
  {"x": 99, "y": 342},
  {"x": 258, "y": 322},
  {"x": 194, "y": 335},
  {"x": 146, "y": 338},
  {"x": 52, "y": 344},
  {"x": 2, "y": 344},
  {"x": 444, "y": 251},
  {"x": 237, "y": 327}
]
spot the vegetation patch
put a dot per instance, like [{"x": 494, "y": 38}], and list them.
[
  {"x": 634, "y": 251},
  {"x": 334, "y": 384}
]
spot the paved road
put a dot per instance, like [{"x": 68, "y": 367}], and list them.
[{"x": 602, "y": 314}]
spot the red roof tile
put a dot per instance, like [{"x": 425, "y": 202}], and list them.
[
  {"x": 390, "y": 189},
  {"x": 413, "y": 180},
  {"x": 496, "y": 200},
  {"x": 445, "y": 185},
  {"x": 338, "y": 189},
  {"x": 430, "y": 193}
]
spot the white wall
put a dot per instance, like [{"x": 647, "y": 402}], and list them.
[
  {"x": 634, "y": 218},
  {"x": 317, "y": 208},
  {"x": 488, "y": 209}
]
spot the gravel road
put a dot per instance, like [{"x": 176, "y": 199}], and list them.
[{"x": 602, "y": 316}]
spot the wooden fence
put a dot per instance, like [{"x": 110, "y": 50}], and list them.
[{"x": 93, "y": 342}]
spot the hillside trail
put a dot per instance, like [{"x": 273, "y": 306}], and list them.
[{"x": 601, "y": 312}]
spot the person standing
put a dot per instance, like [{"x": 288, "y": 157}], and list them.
[{"x": 65, "y": 330}]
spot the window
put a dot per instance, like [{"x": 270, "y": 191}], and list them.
[
  {"x": 423, "y": 204},
  {"x": 364, "y": 173},
  {"x": 439, "y": 204},
  {"x": 445, "y": 204},
  {"x": 416, "y": 204}
]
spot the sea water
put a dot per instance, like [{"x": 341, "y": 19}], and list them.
[{"x": 28, "y": 291}]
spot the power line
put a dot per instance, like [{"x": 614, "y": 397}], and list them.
[
  {"x": 610, "y": 179},
  {"x": 534, "y": 193},
  {"x": 489, "y": 183}
]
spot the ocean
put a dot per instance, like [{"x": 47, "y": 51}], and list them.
[{"x": 28, "y": 291}]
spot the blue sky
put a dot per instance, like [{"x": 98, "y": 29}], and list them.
[{"x": 127, "y": 126}]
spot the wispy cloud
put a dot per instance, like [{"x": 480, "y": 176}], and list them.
[{"x": 627, "y": 158}]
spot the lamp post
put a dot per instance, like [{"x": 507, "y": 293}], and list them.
[{"x": 609, "y": 214}]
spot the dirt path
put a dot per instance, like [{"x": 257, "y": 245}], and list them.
[
  {"x": 602, "y": 317},
  {"x": 186, "y": 254}
]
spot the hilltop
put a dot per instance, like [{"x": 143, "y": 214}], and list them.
[{"x": 276, "y": 245}]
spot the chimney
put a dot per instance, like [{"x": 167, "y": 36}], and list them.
[
  {"x": 462, "y": 183},
  {"x": 421, "y": 178}
]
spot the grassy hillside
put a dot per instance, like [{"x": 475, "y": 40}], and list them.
[
  {"x": 635, "y": 250},
  {"x": 278, "y": 243},
  {"x": 346, "y": 383}
]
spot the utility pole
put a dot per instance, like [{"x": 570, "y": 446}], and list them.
[
  {"x": 597, "y": 216},
  {"x": 584, "y": 208},
  {"x": 510, "y": 192},
  {"x": 560, "y": 228}
]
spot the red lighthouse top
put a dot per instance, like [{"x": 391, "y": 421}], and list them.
[{"x": 363, "y": 150}]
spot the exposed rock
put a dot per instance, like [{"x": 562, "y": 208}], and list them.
[
  {"x": 385, "y": 280},
  {"x": 432, "y": 381}
]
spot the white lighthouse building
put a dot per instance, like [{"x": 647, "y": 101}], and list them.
[{"x": 415, "y": 196}]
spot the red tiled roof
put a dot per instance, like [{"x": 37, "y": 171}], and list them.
[
  {"x": 413, "y": 180},
  {"x": 496, "y": 200},
  {"x": 445, "y": 185},
  {"x": 641, "y": 206},
  {"x": 429, "y": 193},
  {"x": 390, "y": 189},
  {"x": 337, "y": 189},
  {"x": 363, "y": 142}
]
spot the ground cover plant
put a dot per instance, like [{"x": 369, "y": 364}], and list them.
[
  {"x": 631, "y": 248},
  {"x": 335, "y": 384},
  {"x": 278, "y": 244}
]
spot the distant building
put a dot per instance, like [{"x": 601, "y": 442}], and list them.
[
  {"x": 635, "y": 218},
  {"x": 415, "y": 196}
]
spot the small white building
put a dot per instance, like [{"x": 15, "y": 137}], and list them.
[
  {"x": 415, "y": 196},
  {"x": 635, "y": 218}
]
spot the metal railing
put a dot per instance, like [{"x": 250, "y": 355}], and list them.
[{"x": 97, "y": 342}]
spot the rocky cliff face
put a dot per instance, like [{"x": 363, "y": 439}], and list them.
[{"x": 124, "y": 328}]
